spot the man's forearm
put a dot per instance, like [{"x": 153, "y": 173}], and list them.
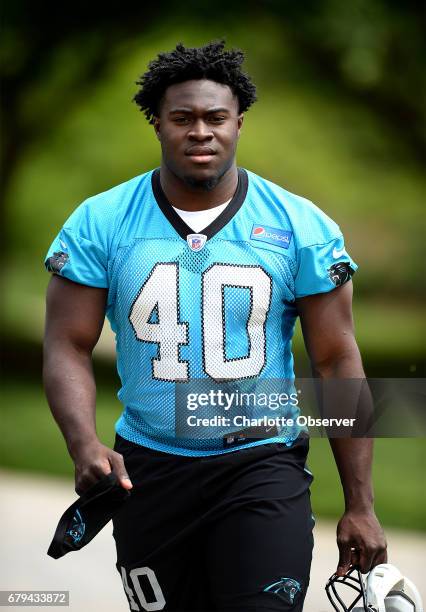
[
  {"x": 71, "y": 392},
  {"x": 353, "y": 455},
  {"x": 74, "y": 320},
  {"x": 329, "y": 336},
  {"x": 353, "y": 458}
]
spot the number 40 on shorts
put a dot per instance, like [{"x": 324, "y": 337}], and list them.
[{"x": 141, "y": 578}]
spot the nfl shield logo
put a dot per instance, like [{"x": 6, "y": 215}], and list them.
[{"x": 196, "y": 241}]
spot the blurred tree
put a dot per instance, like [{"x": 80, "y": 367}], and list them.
[
  {"x": 375, "y": 48},
  {"x": 51, "y": 54}
]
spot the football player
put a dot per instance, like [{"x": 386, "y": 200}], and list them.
[{"x": 202, "y": 268}]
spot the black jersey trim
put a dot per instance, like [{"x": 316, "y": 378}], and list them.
[{"x": 225, "y": 216}]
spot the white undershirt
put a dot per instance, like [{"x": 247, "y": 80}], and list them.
[{"x": 197, "y": 220}]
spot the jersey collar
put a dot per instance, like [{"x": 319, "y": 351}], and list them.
[{"x": 225, "y": 216}]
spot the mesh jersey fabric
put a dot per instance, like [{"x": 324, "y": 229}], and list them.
[{"x": 225, "y": 313}]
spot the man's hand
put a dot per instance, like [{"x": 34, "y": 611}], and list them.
[
  {"x": 93, "y": 461},
  {"x": 361, "y": 541}
]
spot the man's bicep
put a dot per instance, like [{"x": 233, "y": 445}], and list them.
[
  {"x": 327, "y": 324},
  {"x": 74, "y": 312}
]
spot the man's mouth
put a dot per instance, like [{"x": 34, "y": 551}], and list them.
[{"x": 200, "y": 155}]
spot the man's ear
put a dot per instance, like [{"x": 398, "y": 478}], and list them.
[
  {"x": 156, "y": 125},
  {"x": 240, "y": 120}
]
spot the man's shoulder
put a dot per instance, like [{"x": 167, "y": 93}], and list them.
[
  {"x": 105, "y": 217},
  {"x": 121, "y": 195},
  {"x": 309, "y": 223},
  {"x": 292, "y": 201}
]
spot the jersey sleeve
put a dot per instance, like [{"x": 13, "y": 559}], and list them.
[
  {"x": 77, "y": 252},
  {"x": 323, "y": 267}
]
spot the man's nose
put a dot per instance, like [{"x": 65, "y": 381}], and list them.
[{"x": 200, "y": 130}]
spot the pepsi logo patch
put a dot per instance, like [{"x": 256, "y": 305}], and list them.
[
  {"x": 272, "y": 235},
  {"x": 196, "y": 241}
]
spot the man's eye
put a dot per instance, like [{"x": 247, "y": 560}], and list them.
[
  {"x": 181, "y": 120},
  {"x": 217, "y": 119}
]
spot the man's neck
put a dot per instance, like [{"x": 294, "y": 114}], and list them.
[{"x": 184, "y": 197}]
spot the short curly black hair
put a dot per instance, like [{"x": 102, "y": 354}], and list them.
[{"x": 186, "y": 63}]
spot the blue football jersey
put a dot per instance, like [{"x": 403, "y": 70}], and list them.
[{"x": 203, "y": 321}]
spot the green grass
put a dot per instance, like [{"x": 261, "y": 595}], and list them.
[{"x": 32, "y": 442}]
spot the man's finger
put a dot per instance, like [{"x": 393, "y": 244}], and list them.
[
  {"x": 355, "y": 557},
  {"x": 381, "y": 557},
  {"x": 366, "y": 559},
  {"x": 119, "y": 469},
  {"x": 344, "y": 557},
  {"x": 90, "y": 475}
]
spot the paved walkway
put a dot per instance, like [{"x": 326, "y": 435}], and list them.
[{"x": 31, "y": 506}]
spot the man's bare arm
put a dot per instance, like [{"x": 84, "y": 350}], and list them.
[
  {"x": 74, "y": 320},
  {"x": 328, "y": 332}
]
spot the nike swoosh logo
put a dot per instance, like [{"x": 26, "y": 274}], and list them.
[
  {"x": 338, "y": 253},
  {"x": 269, "y": 429}
]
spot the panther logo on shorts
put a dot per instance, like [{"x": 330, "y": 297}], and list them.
[{"x": 288, "y": 587}]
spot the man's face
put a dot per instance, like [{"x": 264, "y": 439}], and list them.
[{"x": 198, "y": 127}]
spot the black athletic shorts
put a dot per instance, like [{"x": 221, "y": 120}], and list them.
[{"x": 230, "y": 532}]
